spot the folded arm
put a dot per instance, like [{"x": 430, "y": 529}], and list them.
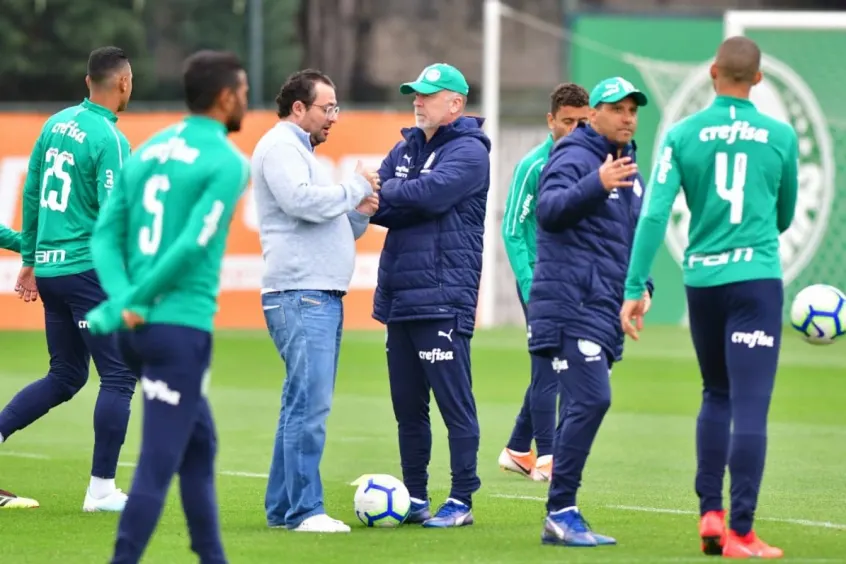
[
  {"x": 457, "y": 174},
  {"x": 387, "y": 216}
]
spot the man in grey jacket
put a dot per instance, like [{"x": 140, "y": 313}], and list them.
[{"x": 308, "y": 224}]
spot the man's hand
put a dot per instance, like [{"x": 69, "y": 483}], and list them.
[
  {"x": 371, "y": 176},
  {"x": 131, "y": 319},
  {"x": 25, "y": 286},
  {"x": 369, "y": 205},
  {"x": 631, "y": 315},
  {"x": 613, "y": 172}
]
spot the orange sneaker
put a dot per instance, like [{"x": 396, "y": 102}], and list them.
[
  {"x": 519, "y": 462},
  {"x": 712, "y": 531},
  {"x": 749, "y": 546}
]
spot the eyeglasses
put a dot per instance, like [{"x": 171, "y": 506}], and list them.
[{"x": 330, "y": 110}]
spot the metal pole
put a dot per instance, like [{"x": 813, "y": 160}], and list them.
[{"x": 255, "y": 33}]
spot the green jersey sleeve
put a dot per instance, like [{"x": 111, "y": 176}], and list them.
[
  {"x": 31, "y": 205},
  {"x": 109, "y": 161},
  {"x": 10, "y": 239},
  {"x": 214, "y": 208},
  {"x": 109, "y": 241},
  {"x": 789, "y": 188},
  {"x": 519, "y": 206},
  {"x": 661, "y": 192}
]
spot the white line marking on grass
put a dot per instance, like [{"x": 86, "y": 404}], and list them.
[
  {"x": 668, "y": 511},
  {"x": 802, "y": 522},
  {"x": 16, "y": 454},
  {"x": 231, "y": 473}
]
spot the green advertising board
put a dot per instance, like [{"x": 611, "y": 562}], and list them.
[{"x": 669, "y": 58}]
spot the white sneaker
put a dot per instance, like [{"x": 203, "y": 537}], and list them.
[
  {"x": 115, "y": 501},
  {"x": 322, "y": 524},
  {"x": 542, "y": 472}
]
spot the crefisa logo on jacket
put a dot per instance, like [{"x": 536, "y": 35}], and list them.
[{"x": 783, "y": 95}]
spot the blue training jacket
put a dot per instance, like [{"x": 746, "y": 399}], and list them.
[
  {"x": 433, "y": 201},
  {"x": 584, "y": 240}
]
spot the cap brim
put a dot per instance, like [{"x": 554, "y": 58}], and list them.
[
  {"x": 419, "y": 87},
  {"x": 638, "y": 96}
]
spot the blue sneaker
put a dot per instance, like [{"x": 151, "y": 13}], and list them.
[
  {"x": 569, "y": 528},
  {"x": 418, "y": 513},
  {"x": 453, "y": 513}
]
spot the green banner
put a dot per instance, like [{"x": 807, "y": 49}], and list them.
[{"x": 669, "y": 58}]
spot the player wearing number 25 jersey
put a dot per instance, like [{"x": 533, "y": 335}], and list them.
[
  {"x": 158, "y": 247},
  {"x": 71, "y": 171},
  {"x": 738, "y": 170}
]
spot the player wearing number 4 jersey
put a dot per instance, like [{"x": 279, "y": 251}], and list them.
[
  {"x": 71, "y": 171},
  {"x": 158, "y": 248},
  {"x": 739, "y": 172}
]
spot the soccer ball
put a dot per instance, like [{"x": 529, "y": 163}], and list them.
[
  {"x": 382, "y": 501},
  {"x": 819, "y": 314}
]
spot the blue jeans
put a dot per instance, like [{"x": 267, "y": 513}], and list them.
[{"x": 306, "y": 328}]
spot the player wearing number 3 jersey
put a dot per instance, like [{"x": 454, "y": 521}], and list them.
[
  {"x": 739, "y": 172},
  {"x": 71, "y": 172}
]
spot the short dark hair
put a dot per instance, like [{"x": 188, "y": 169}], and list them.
[
  {"x": 739, "y": 59},
  {"x": 104, "y": 62},
  {"x": 206, "y": 74},
  {"x": 299, "y": 87},
  {"x": 568, "y": 94}
]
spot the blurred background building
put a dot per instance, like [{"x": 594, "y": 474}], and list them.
[{"x": 369, "y": 47}]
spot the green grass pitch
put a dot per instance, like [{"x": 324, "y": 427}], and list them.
[{"x": 638, "y": 484}]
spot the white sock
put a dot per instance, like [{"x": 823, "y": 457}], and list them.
[
  {"x": 1, "y": 437},
  {"x": 101, "y": 487}
]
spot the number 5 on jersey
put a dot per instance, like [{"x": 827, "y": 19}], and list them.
[
  {"x": 733, "y": 195},
  {"x": 150, "y": 237}
]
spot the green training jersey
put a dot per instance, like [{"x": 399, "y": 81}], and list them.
[
  {"x": 10, "y": 239},
  {"x": 72, "y": 169},
  {"x": 519, "y": 223},
  {"x": 739, "y": 170},
  {"x": 159, "y": 244}
]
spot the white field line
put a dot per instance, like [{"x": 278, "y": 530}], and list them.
[
  {"x": 669, "y": 511},
  {"x": 803, "y": 522}
]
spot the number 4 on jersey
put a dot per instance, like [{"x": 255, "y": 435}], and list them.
[{"x": 733, "y": 195}]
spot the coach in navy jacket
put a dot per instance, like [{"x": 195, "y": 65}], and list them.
[
  {"x": 432, "y": 200},
  {"x": 590, "y": 196}
]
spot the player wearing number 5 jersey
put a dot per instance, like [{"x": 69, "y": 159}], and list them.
[
  {"x": 739, "y": 172},
  {"x": 71, "y": 171},
  {"x": 158, "y": 247}
]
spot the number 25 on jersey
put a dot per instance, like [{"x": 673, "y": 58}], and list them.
[{"x": 52, "y": 197}]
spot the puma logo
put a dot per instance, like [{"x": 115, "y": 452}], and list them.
[{"x": 448, "y": 335}]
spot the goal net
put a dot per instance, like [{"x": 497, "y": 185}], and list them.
[{"x": 668, "y": 58}]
